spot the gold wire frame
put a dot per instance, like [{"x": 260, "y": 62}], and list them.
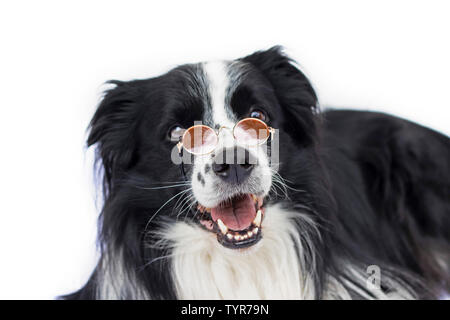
[{"x": 217, "y": 132}]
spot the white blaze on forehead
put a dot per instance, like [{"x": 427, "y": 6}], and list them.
[{"x": 218, "y": 84}]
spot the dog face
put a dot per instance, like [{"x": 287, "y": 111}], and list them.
[
  {"x": 139, "y": 123},
  {"x": 230, "y": 183}
]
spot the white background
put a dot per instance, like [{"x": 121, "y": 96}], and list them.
[{"x": 392, "y": 56}]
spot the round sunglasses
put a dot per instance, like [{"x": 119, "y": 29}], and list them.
[{"x": 201, "y": 139}]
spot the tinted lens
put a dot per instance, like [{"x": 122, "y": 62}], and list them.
[
  {"x": 251, "y": 131},
  {"x": 199, "y": 139}
]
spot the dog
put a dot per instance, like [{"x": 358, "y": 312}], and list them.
[{"x": 332, "y": 204}]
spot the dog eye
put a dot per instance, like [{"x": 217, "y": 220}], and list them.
[
  {"x": 258, "y": 114},
  {"x": 175, "y": 133}
]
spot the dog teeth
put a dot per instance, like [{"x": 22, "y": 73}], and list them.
[
  {"x": 223, "y": 228},
  {"x": 239, "y": 235},
  {"x": 257, "y": 221}
]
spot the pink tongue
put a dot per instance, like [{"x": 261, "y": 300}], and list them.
[{"x": 237, "y": 215}]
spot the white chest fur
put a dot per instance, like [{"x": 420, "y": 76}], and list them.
[{"x": 204, "y": 269}]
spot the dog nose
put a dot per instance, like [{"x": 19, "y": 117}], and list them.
[{"x": 233, "y": 165}]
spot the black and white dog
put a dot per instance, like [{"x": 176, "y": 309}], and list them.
[{"x": 355, "y": 205}]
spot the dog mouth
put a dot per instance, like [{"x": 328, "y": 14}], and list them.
[{"x": 236, "y": 221}]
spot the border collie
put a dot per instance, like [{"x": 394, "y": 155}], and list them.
[{"x": 336, "y": 204}]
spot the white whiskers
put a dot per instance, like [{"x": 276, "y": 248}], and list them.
[{"x": 165, "y": 203}]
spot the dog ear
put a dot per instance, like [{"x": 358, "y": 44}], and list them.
[
  {"x": 293, "y": 91},
  {"x": 113, "y": 129}
]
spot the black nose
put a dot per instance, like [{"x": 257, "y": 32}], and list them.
[{"x": 233, "y": 165}]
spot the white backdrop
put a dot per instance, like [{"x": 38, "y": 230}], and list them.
[{"x": 55, "y": 55}]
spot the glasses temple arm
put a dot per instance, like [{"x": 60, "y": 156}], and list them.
[{"x": 272, "y": 132}]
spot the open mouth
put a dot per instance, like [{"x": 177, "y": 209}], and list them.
[{"x": 237, "y": 221}]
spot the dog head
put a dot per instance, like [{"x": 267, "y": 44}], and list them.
[{"x": 139, "y": 123}]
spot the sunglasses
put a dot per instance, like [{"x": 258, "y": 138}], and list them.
[{"x": 201, "y": 139}]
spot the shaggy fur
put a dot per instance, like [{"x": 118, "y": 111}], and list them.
[{"x": 353, "y": 189}]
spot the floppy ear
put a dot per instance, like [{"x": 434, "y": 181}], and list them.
[
  {"x": 293, "y": 90},
  {"x": 113, "y": 129}
]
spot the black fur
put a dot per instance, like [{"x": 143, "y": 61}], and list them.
[{"x": 378, "y": 186}]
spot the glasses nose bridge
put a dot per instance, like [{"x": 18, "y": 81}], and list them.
[{"x": 223, "y": 127}]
